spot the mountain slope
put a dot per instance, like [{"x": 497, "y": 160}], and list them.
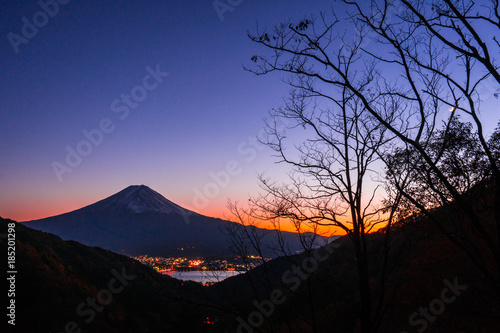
[
  {"x": 138, "y": 220},
  {"x": 55, "y": 278}
]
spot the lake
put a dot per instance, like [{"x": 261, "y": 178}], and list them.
[{"x": 203, "y": 276}]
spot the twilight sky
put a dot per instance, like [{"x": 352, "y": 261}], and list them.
[
  {"x": 145, "y": 93},
  {"x": 74, "y": 79}
]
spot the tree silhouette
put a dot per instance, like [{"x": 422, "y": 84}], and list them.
[{"x": 405, "y": 65}]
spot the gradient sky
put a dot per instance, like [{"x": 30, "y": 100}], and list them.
[
  {"x": 199, "y": 120},
  {"x": 64, "y": 79}
]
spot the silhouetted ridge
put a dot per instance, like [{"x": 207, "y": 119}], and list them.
[{"x": 138, "y": 220}]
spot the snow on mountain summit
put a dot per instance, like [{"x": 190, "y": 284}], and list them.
[
  {"x": 137, "y": 199},
  {"x": 138, "y": 220}
]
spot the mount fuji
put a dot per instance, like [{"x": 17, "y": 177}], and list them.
[{"x": 138, "y": 220}]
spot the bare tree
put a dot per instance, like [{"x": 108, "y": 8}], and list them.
[
  {"x": 408, "y": 63},
  {"x": 333, "y": 161},
  {"x": 249, "y": 243},
  {"x": 446, "y": 51}
]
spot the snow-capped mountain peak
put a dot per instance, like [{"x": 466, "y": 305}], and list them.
[{"x": 138, "y": 199}]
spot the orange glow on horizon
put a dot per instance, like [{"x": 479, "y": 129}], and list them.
[
  {"x": 43, "y": 210},
  {"x": 36, "y": 212},
  {"x": 37, "y": 205},
  {"x": 322, "y": 230}
]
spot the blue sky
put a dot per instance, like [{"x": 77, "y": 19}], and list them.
[
  {"x": 63, "y": 80},
  {"x": 191, "y": 131}
]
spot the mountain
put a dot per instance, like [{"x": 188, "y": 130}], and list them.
[
  {"x": 57, "y": 281},
  {"x": 429, "y": 283},
  {"x": 138, "y": 220},
  {"x": 56, "y": 277}
]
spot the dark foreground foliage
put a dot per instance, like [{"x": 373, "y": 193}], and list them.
[{"x": 55, "y": 277}]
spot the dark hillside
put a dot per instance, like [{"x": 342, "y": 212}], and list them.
[
  {"x": 55, "y": 277},
  {"x": 424, "y": 267},
  {"x": 426, "y": 271}
]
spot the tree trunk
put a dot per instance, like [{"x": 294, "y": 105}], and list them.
[{"x": 364, "y": 288}]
